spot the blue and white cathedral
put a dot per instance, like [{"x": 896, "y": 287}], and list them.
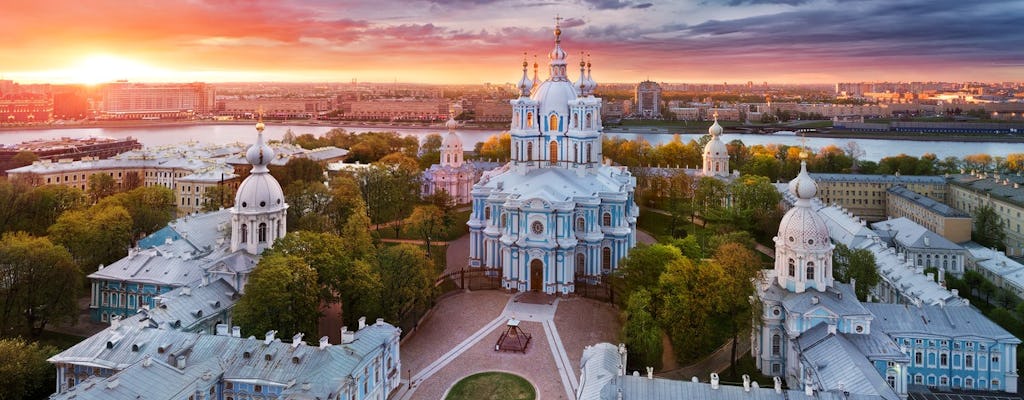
[{"x": 555, "y": 213}]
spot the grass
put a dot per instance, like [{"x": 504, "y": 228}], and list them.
[
  {"x": 457, "y": 229},
  {"x": 59, "y": 340},
  {"x": 492, "y": 386},
  {"x": 745, "y": 365},
  {"x": 660, "y": 225}
]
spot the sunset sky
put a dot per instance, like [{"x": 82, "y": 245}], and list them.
[{"x": 475, "y": 41}]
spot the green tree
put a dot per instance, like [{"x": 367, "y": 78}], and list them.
[
  {"x": 356, "y": 232},
  {"x": 640, "y": 332},
  {"x": 430, "y": 150},
  {"x": 100, "y": 186},
  {"x": 308, "y": 206},
  {"x": 709, "y": 199},
  {"x": 23, "y": 158},
  {"x": 741, "y": 266},
  {"x": 298, "y": 169},
  {"x": 220, "y": 196},
  {"x": 40, "y": 284},
  {"x": 857, "y": 264},
  {"x": 988, "y": 228},
  {"x": 24, "y": 372},
  {"x": 282, "y": 294},
  {"x": 642, "y": 268},
  {"x": 33, "y": 210},
  {"x": 98, "y": 235},
  {"x": 427, "y": 222},
  {"x": 690, "y": 298},
  {"x": 150, "y": 207},
  {"x": 407, "y": 282}
]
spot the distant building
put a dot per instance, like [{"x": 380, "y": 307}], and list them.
[
  {"x": 272, "y": 107},
  {"x": 865, "y": 195},
  {"x": 648, "y": 100},
  {"x": 922, "y": 246},
  {"x": 25, "y": 108},
  {"x": 954, "y": 225},
  {"x": 453, "y": 175},
  {"x": 969, "y": 192},
  {"x": 67, "y": 148},
  {"x": 124, "y": 100}
]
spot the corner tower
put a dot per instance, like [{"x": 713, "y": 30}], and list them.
[
  {"x": 803, "y": 251},
  {"x": 716, "y": 154},
  {"x": 260, "y": 213}
]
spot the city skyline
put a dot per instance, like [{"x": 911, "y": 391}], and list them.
[{"x": 475, "y": 41}]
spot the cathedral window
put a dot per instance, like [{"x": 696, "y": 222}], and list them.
[
  {"x": 504, "y": 220},
  {"x": 245, "y": 233},
  {"x": 537, "y": 227},
  {"x": 792, "y": 268},
  {"x": 589, "y": 152},
  {"x": 606, "y": 219},
  {"x": 581, "y": 224},
  {"x": 553, "y": 149},
  {"x": 487, "y": 213},
  {"x": 529, "y": 120},
  {"x": 553, "y": 122},
  {"x": 576, "y": 152},
  {"x": 529, "y": 151},
  {"x": 575, "y": 121},
  {"x": 589, "y": 121},
  {"x": 606, "y": 258},
  {"x": 810, "y": 270},
  {"x": 776, "y": 345},
  {"x": 262, "y": 231},
  {"x": 581, "y": 264}
]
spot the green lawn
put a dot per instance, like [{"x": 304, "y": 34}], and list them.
[
  {"x": 745, "y": 365},
  {"x": 660, "y": 225},
  {"x": 492, "y": 386},
  {"x": 455, "y": 231}
]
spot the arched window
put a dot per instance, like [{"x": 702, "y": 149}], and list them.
[
  {"x": 810, "y": 270},
  {"x": 516, "y": 146},
  {"x": 776, "y": 345},
  {"x": 553, "y": 122},
  {"x": 581, "y": 265},
  {"x": 504, "y": 220},
  {"x": 529, "y": 120},
  {"x": 553, "y": 149},
  {"x": 968, "y": 383},
  {"x": 487, "y": 213},
  {"x": 262, "y": 232},
  {"x": 792, "y": 268},
  {"x": 575, "y": 121},
  {"x": 529, "y": 151},
  {"x": 575, "y": 152},
  {"x": 581, "y": 224},
  {"x": 245, "y": 233},
  {"x": 448, "y": 157},
  {"x": 589, "y": 121},
  {"x": 589, "y": 153},
  {"x": 606, "y": 258},
  {"x": 606, "y": 219}
]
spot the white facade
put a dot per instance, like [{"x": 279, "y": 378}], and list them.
[
  {"x": 716, "y": 154},
  {"x": 554, "y": 214},
  {"x": 453, "y": 175},
  {"x": 260, "y": 214}
]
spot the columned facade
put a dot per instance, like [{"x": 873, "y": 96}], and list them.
[{"x": 260, "y": 214}]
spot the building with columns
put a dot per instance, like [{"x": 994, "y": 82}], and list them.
[
  {"x": 260, "y": 214},
  {"x": 555, "y": 214},
  {"x": 716, "y": 155}
]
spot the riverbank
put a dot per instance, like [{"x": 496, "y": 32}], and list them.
[{"x": 831, "y": 134}]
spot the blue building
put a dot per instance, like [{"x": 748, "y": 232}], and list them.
[
  {"x": 555, "y": 214},
  {"x": 137, "y": 360}
]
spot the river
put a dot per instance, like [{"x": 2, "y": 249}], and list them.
[{"x": 874, "y": 149}]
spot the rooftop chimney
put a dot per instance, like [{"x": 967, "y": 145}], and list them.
[
  {"x": 297, "y": 339},
  {"x": 347, "y": 336},
  {"x": 778, "y": 384},
  {"x": 362, "y": 322},
  {"x": 714, "y": 381},
  {"x": 324, "y": 343},
  {"x": 269, "y": 337},
  {"x": 222, "y": 329},
  {"x": 746, "y": 383},
  {"x": 236, "y": 331}
]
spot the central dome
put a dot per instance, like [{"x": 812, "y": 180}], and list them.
[
  {"x": 803, "y": 227},
  {"x": 554, "y": 96},
  {"x": 260, "y": 192}
]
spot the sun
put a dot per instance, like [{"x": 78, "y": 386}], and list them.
[{"x": 101, "y": 68}]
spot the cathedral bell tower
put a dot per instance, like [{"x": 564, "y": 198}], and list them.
[
  {"x": 803, "y": 251},
  {"x": 260, "y": 214}
]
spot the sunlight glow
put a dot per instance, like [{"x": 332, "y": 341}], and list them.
[{"x": 101, "y": 68}]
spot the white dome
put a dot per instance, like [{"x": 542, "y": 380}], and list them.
[
  {"x": 715, "y": 147},
  {"x": 451, "y": 140},
  {"x": 259, "y": 155},
  {"x": 259, "y": 193},
  {"x": 554, "y": 96},
  {"x": 715, "y": 129},
  {"x": 803, "y": 186},
  {"x": 802, "y": 227},
  {"x": 451, "y": 124}
]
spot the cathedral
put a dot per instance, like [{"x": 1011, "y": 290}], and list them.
[
  {"x": 453, "y": 175},
  {"x": 555, "y": 214}
]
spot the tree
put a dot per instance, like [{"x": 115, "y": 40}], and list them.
[
  {"x": 23, "y": 158},
  {"x": 709, "y": 198},
  {"x": 407, "y": 282},
  {"x": 741, "y": 266},
  {"x": 430, "y": 150},
  {"x": 496, "y": 147},
  {"x": 150, "y": 207},
  {"x": 642, "y": 268},
  {"x": 308, "y": 205},
  {"x": 98, "y": 235},
  {"x": 859, "y": 265},
  {"x": 33, "y": 210},
  {"x": 219, "y": 196},
  {"x": 690, "y": 298},
  {"x": 426, "y": 222},
  {"x": 282, "y": 294},
  {"x": 101, "y": 185},
  {"x": 640, "y": 331},
  {"x": 356, "y": 232},
  {"x": 988, "y": 228},
  {"x": 298, "y": 169},
  {"x": 40, "y": 284},
  {"x": 24, "y": 372},
  {"x": 132, "y": 180}
]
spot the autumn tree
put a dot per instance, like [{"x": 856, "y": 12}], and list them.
[
  {"x": 856, "y": 264},
  {"x": 740, "y": 265},
  {"x": 495, "y": 147},
  {"x": 988, "y": 228},
  {"x": 23, "y": 158},
  {"x": 40, "y": 284},
  {"x": 24, "y": 372},
  {"x": 282, "y": 294}
]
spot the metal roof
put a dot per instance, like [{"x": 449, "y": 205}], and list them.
[{"x": 959, "y": 321}]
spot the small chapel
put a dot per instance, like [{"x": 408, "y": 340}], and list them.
[{"x": 453, "y": 175}]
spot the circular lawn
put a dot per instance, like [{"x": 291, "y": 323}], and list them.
[{"x": 492, "y": 386}]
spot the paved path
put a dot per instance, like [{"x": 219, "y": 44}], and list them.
[
  {"x": 415, "y": 241},
  {"x": 716, "y": 362},
  {"x": 527, "y": 312}
]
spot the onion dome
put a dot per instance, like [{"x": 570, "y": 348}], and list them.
[
  {"x": 715, "y": 129},
  {"x": 802, "y": 227},
  {"x": 536, "y": 77},
  {"x": 803, "y": 186},
  {"x": 591, "y": 83},
  {"x": 715, "y": 146},
  {"x": 451, "y": 124},
  {"x": 581, "y": 85},
  {"x": 260, "y": 154},
  {"x": 557, "y": 54},
  {"x": 525, "y": 85}
]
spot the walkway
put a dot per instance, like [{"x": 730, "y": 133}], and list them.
[{"x": 434, "y": 375}]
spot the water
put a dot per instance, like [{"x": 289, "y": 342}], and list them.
[{"x": 874, "y": 149}]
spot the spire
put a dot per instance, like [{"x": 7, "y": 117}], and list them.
[
  {"x": 525, "y": 84},
  {"x": 536, "y": 78},
  {"x": 557, "y": 55},
  {"x": 581, "y": 85},
  {"x": 259, "y": 154}
]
